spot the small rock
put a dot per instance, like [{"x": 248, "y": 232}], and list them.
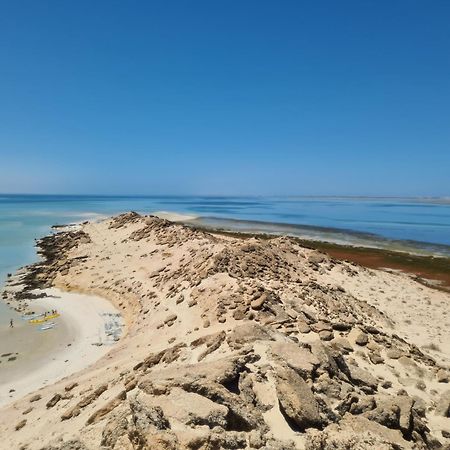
[
  {"x": 326, "y": 335},
  {"x": 303, "y": 327},
  {"x": 239, "y": 314},
  {"x": 376, "y": 358},
  {"x": 53, "y": 401},
  {"x": 362, "y": 339},
  {"x": 322, "y": 326},
  {"x": 70, "y": 386},
  {"x": 259, "y": 302},
  {"x": 394, "y": 353},
  {"x": 341, "y": 326},
  {"x": 21, "y": 424},
  {"x": 442, "y": 376},
  {"x": 170, "y": 318}
]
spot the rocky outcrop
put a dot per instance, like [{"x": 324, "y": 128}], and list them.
[
  {"x": 297, "y": 402},
  {"x": 233, "y": 343}
]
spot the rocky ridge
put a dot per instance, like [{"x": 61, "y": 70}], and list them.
[{"x": 232, "y": 343}]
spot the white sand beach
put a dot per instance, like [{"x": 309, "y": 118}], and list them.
[{"x": 83, "y": 319}]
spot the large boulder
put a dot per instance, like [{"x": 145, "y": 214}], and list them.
[
  {"x": 356, "y": 433},
  {"x": 443, "y": 405},
  {"x": 296, "y": 400},
  {"x": 189, "y": 408},
  {"x": 298, "y": 358},
  {"x": 361, "y": 377},
  {"x": 247, "y": 333}
]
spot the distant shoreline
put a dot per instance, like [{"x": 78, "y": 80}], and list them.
[{"x": 432, "y": 271}]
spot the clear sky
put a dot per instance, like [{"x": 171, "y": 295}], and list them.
[{"x": 225, "y": 97}]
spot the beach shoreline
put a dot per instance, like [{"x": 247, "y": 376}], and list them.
[
  {"x": 82, "y": 342},
  {"x": 432, "y": 271}
]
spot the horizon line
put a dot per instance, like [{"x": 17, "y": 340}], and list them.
[{"x": 423, "y": 197}]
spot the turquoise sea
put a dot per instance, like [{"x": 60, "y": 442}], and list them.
[{"x": 411, "y": 224}]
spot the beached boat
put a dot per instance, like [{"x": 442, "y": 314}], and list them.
[
  {"x": 48, "y": 326},
  {"x": 44, "y": 319},
  {"x": 32, "y": 316}
]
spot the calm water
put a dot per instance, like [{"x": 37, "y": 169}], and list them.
[{"x": 414, "y": 224}]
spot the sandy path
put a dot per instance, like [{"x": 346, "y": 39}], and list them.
[{"x": 83, "y": 319}]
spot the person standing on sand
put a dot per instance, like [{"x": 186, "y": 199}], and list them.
[{"x": 11, "y": 324}]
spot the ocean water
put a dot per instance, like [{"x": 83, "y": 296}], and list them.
[{"x": 417, "y": 225}]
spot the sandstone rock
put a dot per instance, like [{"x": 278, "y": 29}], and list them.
[
  {"x": 362, "y": 378},
  {"x": 341, "y": 326},
  {"x": 102, "y": 412},
  {"x": 362, "y": 405},
  {"x": 296, "y": 399},
  {"x": 73, "y": 444},
  {"x": 53, "y": 401},
  {"x": 85, "y": 401},
  {"x": 70, "y": 386},
  {"x": 342, "y": 344},
  {"x": 191, "y": 409},
  {"x": 326, "y": 335},
  {"x": 213, "y": 345},
  {"x": 376, "y": 358},
  {"x": 298, "y": 358},
  {"x": 170, "y": 319},
  {"x": 239, "y": 314},
  {"x": 442, "y": 376},
  {"x": 322, "y": 326},
  {"x": 386, "y": 413},
  {"x": 394, "y": 353},
  {"x": 326, "y": 361},
  {"x": 259, "y": 302},
  {"x": 20, "y": 425},
  {"x": 356, "y": 433},
  {"x": 362, "y": 339},
  {"x": 303, "y": 327},
  {"x": 443, "y": 405},
  {"x": 316, "y": 258},
  {"x": 246, "y": 334}
]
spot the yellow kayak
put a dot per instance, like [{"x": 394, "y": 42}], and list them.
[{"x": 44, "y": 319}]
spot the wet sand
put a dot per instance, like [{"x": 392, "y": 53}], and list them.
[{"x": 47, "y": 356}]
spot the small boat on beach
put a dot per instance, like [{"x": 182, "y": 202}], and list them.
[
  {"x": 44, "y": 319},
  {"x": 48, "y": 326},
  {"x": 32, "y": 316}
]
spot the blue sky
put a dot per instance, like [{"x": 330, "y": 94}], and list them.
[{"x": 225, "y": 97}]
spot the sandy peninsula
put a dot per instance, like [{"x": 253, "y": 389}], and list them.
[{"x": 240, "y": 343}]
